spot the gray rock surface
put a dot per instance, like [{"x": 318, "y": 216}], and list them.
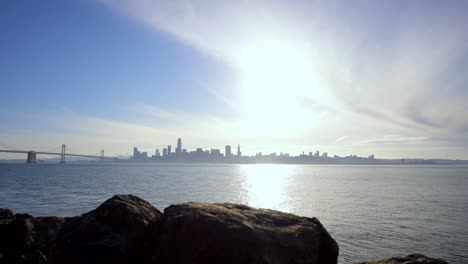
[{"x": 230, "y": 233}]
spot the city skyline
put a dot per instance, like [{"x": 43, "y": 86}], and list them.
[
  {"x": 216, "y": 152},
  {"x": 365, "y": 77},
  {"x": 213, "y": 155}
]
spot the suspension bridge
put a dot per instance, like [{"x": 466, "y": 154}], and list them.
[{"x": 32, "y": 155}]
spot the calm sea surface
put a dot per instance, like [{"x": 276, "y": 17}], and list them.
[{"x": 372, "y": 211}]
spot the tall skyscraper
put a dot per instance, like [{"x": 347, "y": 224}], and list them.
[
  {"x": 169, "y": 150},
  {"x": 227, "y": 151},
  {"x": 136, "y": 153},
  {"x": 238, "y": 150},
  {"x": 179, "y": 146}
]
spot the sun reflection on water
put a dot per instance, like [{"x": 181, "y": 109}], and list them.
[{"x": 267, "y": 185}]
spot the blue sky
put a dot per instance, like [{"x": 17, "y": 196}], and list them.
[
  {"x": 366, "y": 77},
  {"x": 82, "y": 56}
]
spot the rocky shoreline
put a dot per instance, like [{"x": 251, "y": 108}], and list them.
[{"x": 127, "y": 229}]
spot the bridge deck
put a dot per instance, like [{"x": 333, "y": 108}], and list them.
[{"x": 54, "y": 153}]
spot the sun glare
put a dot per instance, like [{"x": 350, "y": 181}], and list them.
[
  {"x": 274, "y": 76},
  {"x": 267, "y": 184}
]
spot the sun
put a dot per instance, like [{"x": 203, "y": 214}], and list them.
[{"x": 275, "y": 75}]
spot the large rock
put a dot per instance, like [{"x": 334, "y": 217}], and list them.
[
  {"x": 115, "y": 232},
  {"x": 410, "y": 259},
  {"x": 229, "y": 233}
]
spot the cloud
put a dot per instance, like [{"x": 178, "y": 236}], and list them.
[
  {"x": 395, "y": 140},
  {"x": 394, "y": 62},
  {"x": 414, "y": 140},
  {"x": 341, "y": 138},
  {"x": 370, "y": 69}
]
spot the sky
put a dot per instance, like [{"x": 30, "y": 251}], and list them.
[{"x": 345, "y": 77}]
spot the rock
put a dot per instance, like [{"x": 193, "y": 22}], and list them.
[
  {"x": 115, "y": 232},
  {"x": 230, "y": 233},
  {"x": 410, "y": 259},
  {"x": 17, "y": 240},
  {"x": 23, "y": 216},
  {"x": 20, "y": 234},
  {"x": 6, "y": 214},
  {"x": 48, "y": 229},
  {"x": 127, "y": 229},
  {"x": 126, "y": 210},
  {"x": 37, "y": 258}
]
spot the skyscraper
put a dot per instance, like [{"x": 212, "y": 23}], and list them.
[
  {"x": 136, "y": 153},
  {"x": 238, "y": 150},
  {"x": 169, "y": 150},
  {"x": 179, "y": 146},
  {"x": 227, "y": 151}
]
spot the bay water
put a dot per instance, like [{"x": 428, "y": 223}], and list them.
[{"x": 371, "y": 211}]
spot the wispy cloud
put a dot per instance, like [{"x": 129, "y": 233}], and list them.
[
  {"x": 341, "y": 138},
  {"x": 414, "y": 140},
  {"x": 394, "y": 140},
  {"x": 371, "y": 67}
]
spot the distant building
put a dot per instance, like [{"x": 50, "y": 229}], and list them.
[
  {"x": 164, "y": 152},
  {"x": 372, "y": 157},
  {"x": 215, "y": 153},
  {"x": 227, "y": 151},
  {"x": 239, "y": 153},
  {"x": 157, "y": 154},
  {"x": 311, "y": 154},
  {"x": 169, "y": 150},
  {"x": 325, "y": 155},
  {"x": 317, "y": 154},
  {"x": 179, "y": 146},
  {"x": 144, "y": 155},
  {"x": 136, "y": 154}
]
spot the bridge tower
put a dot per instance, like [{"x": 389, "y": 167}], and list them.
[
  {"x": 62, "y": 154},
  {"x": 31, "y": 157},
  {"x": 102, "y": 154}
]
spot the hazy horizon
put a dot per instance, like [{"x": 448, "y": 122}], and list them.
[{"x": 387, "y": 78}]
